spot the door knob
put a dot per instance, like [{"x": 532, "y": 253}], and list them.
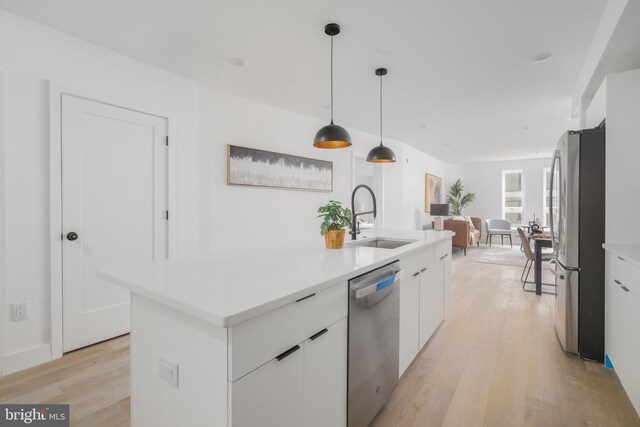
[{"x": 72, "y": 236}]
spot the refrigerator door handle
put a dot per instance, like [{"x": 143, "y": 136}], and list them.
[
  {"x": 553, "y": 266},
  {"x": 554, "y": 162}
]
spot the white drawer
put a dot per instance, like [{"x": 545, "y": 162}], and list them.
[
  {"x": 417, "y": 261},
  {"x": 443, "y": 248},
  {"x": 258, "y": 340},
  {"x": 627, "y": 274}
]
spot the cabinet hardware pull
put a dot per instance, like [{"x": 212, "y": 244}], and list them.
[
  {"x": 416, "y": 274},
  {"x": 423, "y": 270},
  {"x": 620, "y": 258},
  {"x": 444, "y": 256},
  {"x": 288, "y": 352},
  {"x": 617, "y": 281},
  {"x": 319, "y": 334},
  {"x": 307, "y": 297},
  {"x": 625, "y": 288}
]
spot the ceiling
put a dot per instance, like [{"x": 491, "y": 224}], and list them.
[{"x": 461, "y": 84}]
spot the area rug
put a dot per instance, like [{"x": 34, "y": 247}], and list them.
[{"x": 501, "y": 255}]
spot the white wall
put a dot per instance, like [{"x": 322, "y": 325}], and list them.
[
  {"x": 623, "y": 153},
  {"x": 3, "y": 300},
  {"x": 485, "y": 179},
  {"x": 236, "y": 216},
  {"x": 597, "y": 109},
  {"x": 211, "y": 216},
  {"x": 32, "y": 56}
]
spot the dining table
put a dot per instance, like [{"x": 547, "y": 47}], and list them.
[{"x": 542, "y": 240}]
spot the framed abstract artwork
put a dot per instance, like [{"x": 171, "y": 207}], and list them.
[
  {"x": 432, "y": 191},
  {"x": 260, "y": 168}
]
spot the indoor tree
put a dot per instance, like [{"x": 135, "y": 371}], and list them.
[{"x": 456, "y": 200}]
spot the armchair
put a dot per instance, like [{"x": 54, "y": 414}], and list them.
[
  {"x": 465, "y": 236},
  {"x": 498, "y": 227}
]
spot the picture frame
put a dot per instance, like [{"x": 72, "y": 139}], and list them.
[
  {"x": 433, "y": 192},
  {"x": 261, "y": 168}
]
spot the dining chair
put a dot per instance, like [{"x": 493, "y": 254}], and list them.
[
  {"x": 498, "y": 227},
  {"x": 531, "y": 259}
]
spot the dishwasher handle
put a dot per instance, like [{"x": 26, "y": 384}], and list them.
[{"x": 379, "y": 285}]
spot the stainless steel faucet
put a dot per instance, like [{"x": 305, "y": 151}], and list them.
[{"x": 354, "y": 226}]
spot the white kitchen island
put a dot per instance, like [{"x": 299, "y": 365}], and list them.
[{"x": 259, "y": 337}]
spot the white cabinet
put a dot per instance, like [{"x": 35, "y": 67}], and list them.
[
  {"x": 622, "y": 317},
  {"x": 325, "y": 377},
  {"x": 425, "y": 297},
  {"x": 446, "y": 281},
  {"x": 431, "y": 303},
  {"x": 443, "y": 271},
  {"x": 304, "y": 386},
  {"x": 270, "y": 396},
  {"x": 409, "y": 320}
]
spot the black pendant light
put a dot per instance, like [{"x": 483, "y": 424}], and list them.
[
  {"x": 381, "y": 154},
  {"x": 332, "y": 135}
]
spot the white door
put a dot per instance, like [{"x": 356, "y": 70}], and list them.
[
  {"x": 272, "y": 395},
  {"x": 431, "y": 303},
  {"x": 114, "y": 198},
  {"x": 409, "y": 321}
]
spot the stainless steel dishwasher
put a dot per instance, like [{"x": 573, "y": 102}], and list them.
[{"x": 374, "y": 309}]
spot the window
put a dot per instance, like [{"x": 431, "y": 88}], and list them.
[
  {"x": 513, "y": 196},
  {"x": 546, "y": 219}
]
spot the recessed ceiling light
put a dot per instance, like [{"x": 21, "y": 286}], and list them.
[
  {"x": 543, "y": 57},
  {"x": 240, "y": 62}
]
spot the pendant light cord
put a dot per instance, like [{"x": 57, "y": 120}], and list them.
[
  {"x": 380, "y": 110},
  {"x": 331, "y": 79}
]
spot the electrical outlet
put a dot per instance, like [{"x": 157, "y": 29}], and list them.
[
  {"x": 168, "y": 371},
  {"x": 18, "y": 311}
]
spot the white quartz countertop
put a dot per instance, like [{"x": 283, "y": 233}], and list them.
[
  {"x": 228, "y": 288},
  {"x": 630, "y": 253}
]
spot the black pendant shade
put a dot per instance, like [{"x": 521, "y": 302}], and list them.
[
  {"x": 332, "y": 135},
  {"x": 381, "y": 154}
]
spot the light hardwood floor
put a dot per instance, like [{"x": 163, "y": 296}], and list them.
[{"x": 494, "y": 362}]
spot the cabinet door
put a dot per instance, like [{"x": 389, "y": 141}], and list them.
[
  {"x": 409, "y": 321},
  {"x": 446, "y": 282},
  {"x": 431, "y": 303},
  {"x": 624, "y": 340},
  {"x": 270, "y": 396},
  {"x": 325, "y": 377}
]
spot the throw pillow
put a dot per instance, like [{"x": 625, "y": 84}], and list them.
[{"x": 468, "y": 219}]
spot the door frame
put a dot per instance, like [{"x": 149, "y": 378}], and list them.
[{"x": 56, "y": 91}]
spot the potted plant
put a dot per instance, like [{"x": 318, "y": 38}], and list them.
[
  {"x": 334, "y": 219},
  {"x": 456, "y": 200}
]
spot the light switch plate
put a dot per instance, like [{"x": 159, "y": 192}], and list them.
[{"x": 168, "y": 371}]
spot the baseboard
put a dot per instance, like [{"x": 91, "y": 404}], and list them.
[{"x": 27, "y": 358}]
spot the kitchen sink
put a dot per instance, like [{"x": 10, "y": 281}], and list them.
[{"x": 382, "y": 243}]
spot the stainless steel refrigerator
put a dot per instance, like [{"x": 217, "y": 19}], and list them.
[{"x": 577, "y": 213}]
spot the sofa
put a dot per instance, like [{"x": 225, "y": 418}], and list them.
[{"x": 465, "y": 236}]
